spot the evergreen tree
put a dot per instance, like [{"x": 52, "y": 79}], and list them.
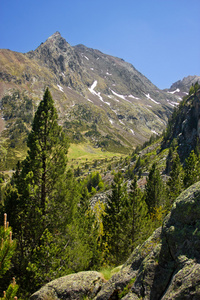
[
  {"x": 114, "y": 220},
  {"x": 138, "y": 218},
  {"x": 154, "y": 189},
  {"x": 41, "y": 189},
  {"x": 175, "y": 182},
  {"x": 191, "y": 170},
  {"x": 6, "y": 252}
]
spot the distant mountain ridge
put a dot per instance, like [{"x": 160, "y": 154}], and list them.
[
  {"x": 100, "y": 98},
  {"x": 181, "y": 87}
]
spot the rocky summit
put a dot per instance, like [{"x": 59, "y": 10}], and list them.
[
  {"x": 102, "y": 97},
  {"x": 166, "y": 266}
]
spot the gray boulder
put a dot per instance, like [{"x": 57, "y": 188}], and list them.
[{"x": 74, "y": 286}]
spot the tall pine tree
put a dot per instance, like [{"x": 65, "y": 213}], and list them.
[
  {"x": 138, "y": 219},
  {"x": 38, "y": 192},
  {"x": 154, "y": 189},
  {"x": 175, "y": 182},
  {"x": 191, "y": 170},
  {"x": 114, "y": 220}
]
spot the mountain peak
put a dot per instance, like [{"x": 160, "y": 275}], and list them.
[
  {"x": 58, "y": 41},
  {"x": 55, "y": 35}
]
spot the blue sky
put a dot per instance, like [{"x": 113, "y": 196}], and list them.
[{"x": 159, "y": 37}]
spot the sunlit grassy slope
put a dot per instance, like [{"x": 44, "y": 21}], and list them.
[{"x": 85, "y": 152}]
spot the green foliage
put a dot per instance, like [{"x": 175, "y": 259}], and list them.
[
  {"x": 108, "y": 272},
  {"x": 138, "y": 219},
  {"x": 94, "y": 181},
  {"x": 127, "y": 288},
  {"x": 6, "y": 252},
  {"x": 154, "y": 189},
  {"x": 114, "y": 221},
  {"x": 175, "y": 181},
  {"x": 18, "y": 114},
  {"x": 194, "y": 88},
  {"x": 40, "y": 189},
  {"x": 10, "y": 293},
  {"x": 191, "y": 170},
  {"x": 7, "y": 247},
  {"x": 46, "y": 257}
]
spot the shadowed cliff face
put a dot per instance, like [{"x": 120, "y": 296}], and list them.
[
  {"x": 184, "y": 126},
  {"x": 166, "y": 266}
]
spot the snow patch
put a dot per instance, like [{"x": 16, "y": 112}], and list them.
[
  {"x": 60, "y": 88},
  {"x": 89, "y": 100},
  {"x": 108, "y": 74},
  {"x": 121, "y": 122},
  {"x": 120, "y": 96},
  {"x": 153, "y": 131},
  {"x": 92, "y": 69},
  {"x": 131, "y": 96},
  {"x": 148, "y": 96},
  {"x": 114, "y": 111},
  {"x": 176, "y": 91},
  {"x": 98, "y": 94},
  {"x": 111, "y": 121},
  {"x": 86, "y": 57},
  {"x": 132, "y": 131},
  {"x": 63, "y": 74},
  {"x": 173, "y": 104},
  {"x": 91, "y": 89}
]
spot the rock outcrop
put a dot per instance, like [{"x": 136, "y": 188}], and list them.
[
  {"x": 74, "y": 286},
  {"x": 166, "y": 266}
]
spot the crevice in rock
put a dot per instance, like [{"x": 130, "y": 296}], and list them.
[{"x": 174, "y": 270}]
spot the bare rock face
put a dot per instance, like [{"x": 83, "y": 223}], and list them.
[{"x": 166, "y": 266}]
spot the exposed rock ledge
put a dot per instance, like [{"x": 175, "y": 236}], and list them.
[{"x": 166, "y": 266}]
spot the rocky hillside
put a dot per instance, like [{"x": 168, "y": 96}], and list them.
[
  {"x": 99, "y": 98},
  {"x": 184, "y": 124},
  {"x": 181, "y": 87},
  {"x": 166, "y": 266}
]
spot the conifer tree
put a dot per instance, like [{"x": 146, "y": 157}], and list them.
[
  {"x": 175, "y": 182},
  {"x": 40, "y": 188},
  {"x": 138, "y": 218},
  {"x": 191, "y": 170},
  {"x": 114, "y": 221},
  {"x": 154, "y": 189},
  {"x": 7, "y": 250}
]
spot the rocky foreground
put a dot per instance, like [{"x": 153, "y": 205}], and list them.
[{"x": 166, "y": 266}]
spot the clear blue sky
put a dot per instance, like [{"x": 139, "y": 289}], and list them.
[{"x": 161, "y": 38}]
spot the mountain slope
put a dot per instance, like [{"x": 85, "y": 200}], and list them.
[{"x": 105, "y": 100}]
